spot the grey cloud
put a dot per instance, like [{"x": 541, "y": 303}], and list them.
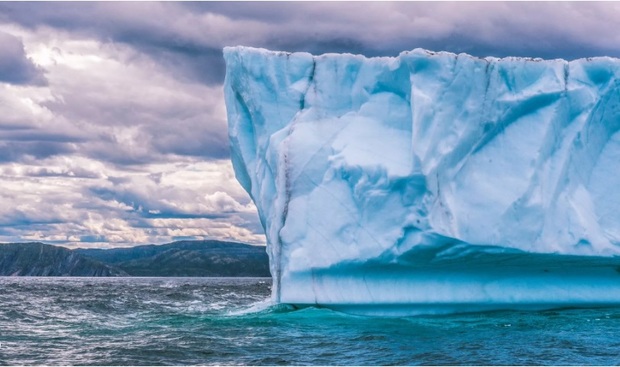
[
  {"x": 130, "y": 112},
  {"x": 183, "y": 58},
  {"x": 20, "y": 219},
  {"x": 149, "y": 206},
  {"x": 194, "y": 51},
  {"x": 15, "y": 67},
  {"x": 186, "y": 38},
  {"x": 539, "y": 29},
  {"x": 482, "y": 29},
  {"x": 22, "y": 151},
  {"x": 34, "y": 135},
  {"x": 146, "y": 26},
  {"x": 132, "y": 199},
  {"x": 172, "y": 214},
  {"x": 119, "y": 154},
  {"x": 273, "y": 12},
  {"x": 192, "y": 138},
  {"x": 76, "y": 172}
]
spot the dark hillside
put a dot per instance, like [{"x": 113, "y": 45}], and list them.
[
  {"x": 38, "y": 259},
  {"x": 187, "y": 258}
]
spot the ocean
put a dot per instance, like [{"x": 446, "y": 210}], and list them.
[{"x": 229, "y": 321}]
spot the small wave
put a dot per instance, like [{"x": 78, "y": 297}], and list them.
[
  {"x": 269, "y": 308},
  {"x": 253, "y": 308},
  {"x": 266, "y": 306}
]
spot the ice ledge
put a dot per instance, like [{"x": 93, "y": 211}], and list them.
[{"x": 472, "y": 279}]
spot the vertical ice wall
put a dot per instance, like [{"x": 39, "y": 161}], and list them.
[{"x": 362, "y": 167}]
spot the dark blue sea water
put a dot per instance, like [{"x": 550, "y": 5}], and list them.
[{"x": 224, "y": 321}]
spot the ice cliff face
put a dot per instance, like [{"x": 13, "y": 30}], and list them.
[{"x": 430, "y": 178}]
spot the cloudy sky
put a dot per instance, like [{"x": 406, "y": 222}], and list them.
[{"x": 113, "y": 125}]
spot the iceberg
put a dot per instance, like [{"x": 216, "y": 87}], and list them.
[{"x": 431, "y": 182}]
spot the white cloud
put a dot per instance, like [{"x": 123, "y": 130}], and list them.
[{"x": 76, "y": 201}]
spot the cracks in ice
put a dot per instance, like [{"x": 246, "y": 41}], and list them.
[
  {"x": 286, "y": 148},
  {"x": 302, "y": 101},
  {"x": 566, "y": 76},
  {"x": 524, "y": 107},
  {"x": 287, "y": 177}
]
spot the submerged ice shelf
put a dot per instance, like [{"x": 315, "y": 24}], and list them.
[{"x": 431, "y": 182}]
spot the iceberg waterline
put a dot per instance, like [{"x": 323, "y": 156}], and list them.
[{"x": 430, "y": 182}]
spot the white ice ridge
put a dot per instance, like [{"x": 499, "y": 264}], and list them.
[{"x": 431, "y": 181}]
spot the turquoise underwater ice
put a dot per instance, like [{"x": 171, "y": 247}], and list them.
[{"x": 431, "y": 182}]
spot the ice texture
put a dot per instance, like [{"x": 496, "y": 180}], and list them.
[{"x": 430, "y": 181}]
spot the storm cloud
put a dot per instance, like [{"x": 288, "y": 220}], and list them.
[{"x": 15, "y": 66}]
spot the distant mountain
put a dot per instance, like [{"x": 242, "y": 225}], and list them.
[
  {"x": 38, "y": 259},
  {"x": 182, "y": 258},
  {"x": 186, "y": 258}
]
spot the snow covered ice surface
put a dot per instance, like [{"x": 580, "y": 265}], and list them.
[{"x": 431, "y": 182}]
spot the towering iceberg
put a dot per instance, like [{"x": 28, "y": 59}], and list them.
[{"x": 431, "y": 182}]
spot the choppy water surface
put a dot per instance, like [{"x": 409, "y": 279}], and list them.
[{"x": 182, "y": 321}]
